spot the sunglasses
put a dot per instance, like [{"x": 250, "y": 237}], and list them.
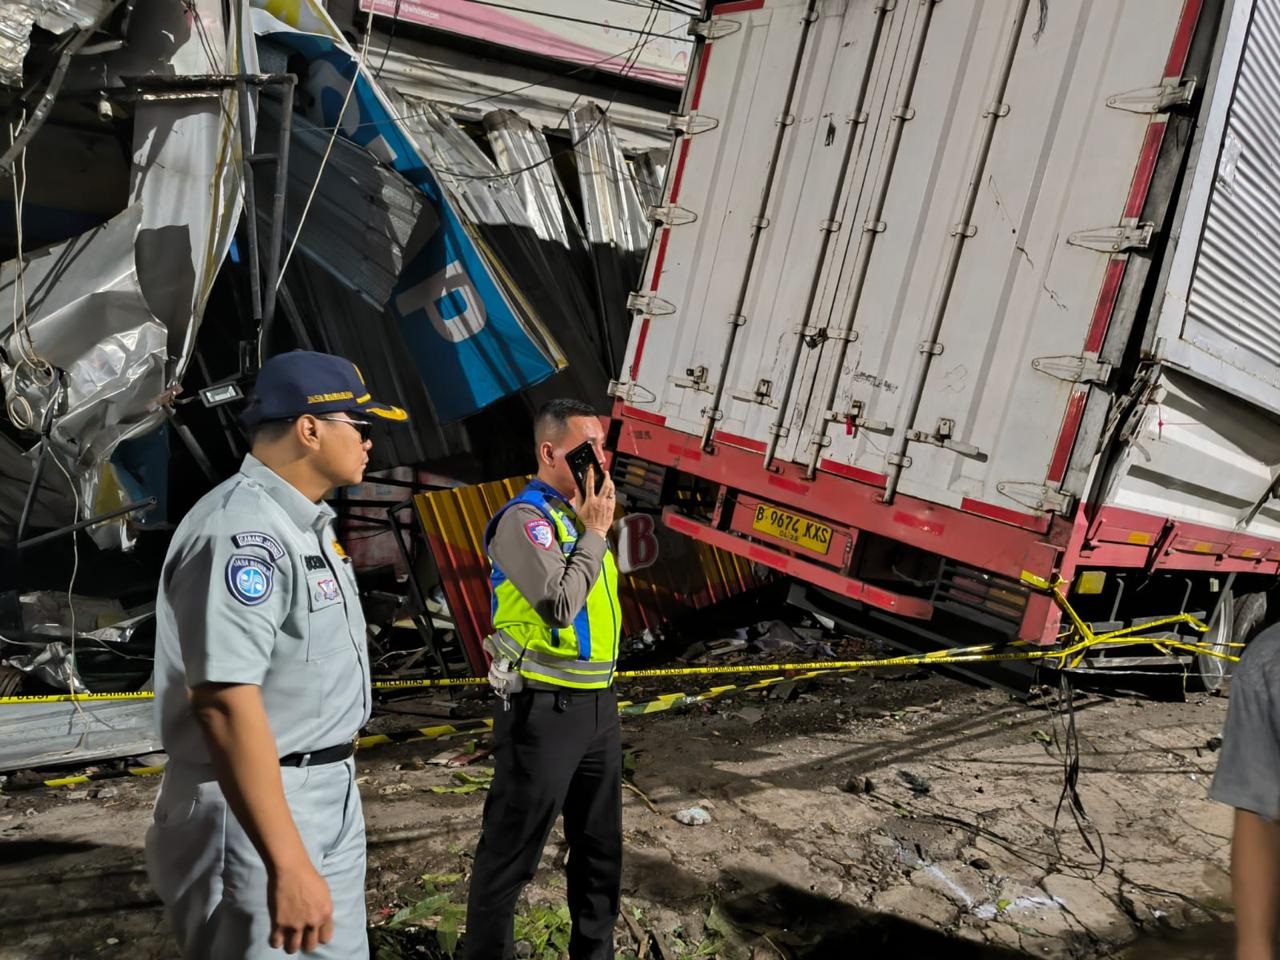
[{"x": 362, "y": 427}]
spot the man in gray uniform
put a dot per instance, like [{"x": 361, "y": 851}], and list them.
[
  {"x": 262, "y": 683},
  {"x": 1248, "y": 779}
]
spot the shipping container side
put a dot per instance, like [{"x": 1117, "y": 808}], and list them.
[
  {"x": 1199, "y": 449},
  {"x": 892, "y": 253},
  {"x": 1219, "y": 319}
]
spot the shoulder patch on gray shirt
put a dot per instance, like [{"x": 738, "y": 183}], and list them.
[
  {"x": 249, "y": 579},
  {"x": 255, "y": 538}
]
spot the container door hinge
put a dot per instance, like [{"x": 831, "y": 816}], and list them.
[
  {"x": 1169, "y": 94},
  {"x": 1036, "y": 496},
  {"x": 650, "y": 304},
  {"x": 1074, "y": 369},
  {"x": 670, "y": 215},
  {"x": 691, "y": 124},
  {"x": 1130, "y": 235},
  {"x": 714, "y": 28}
]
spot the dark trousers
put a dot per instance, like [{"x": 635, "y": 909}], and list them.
[{"x": 553, "y": 753}]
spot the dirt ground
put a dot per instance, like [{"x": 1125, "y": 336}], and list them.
[{"x": 904, "y": 815}]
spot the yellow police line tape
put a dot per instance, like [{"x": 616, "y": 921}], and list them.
[
  {"x": 981, "y": 653},
  {"x": 626, "y": 708}
]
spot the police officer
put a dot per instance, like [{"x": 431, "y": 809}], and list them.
[
  {"x": 262, "y": 682},
  {"x": 557, "y": 747}
]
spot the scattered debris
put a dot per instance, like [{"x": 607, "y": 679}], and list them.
[
  {"x": 642, "y": 795},
  {"x": 1214, "y": 743},
  {"x": 693, "y": 817},
  {"x": 918, "y": 784},
  {"x": 980, "y": 863},
  {"x": 858, "y": 786},
  {"x": 482, "y": 779},
  {"x": 749, "y": 714}
]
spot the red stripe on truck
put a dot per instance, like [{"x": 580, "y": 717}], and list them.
[
  {"x": 1105, "y": 306},
  {"x": 737, "y": 6},
  {"x": 1141, "y": 183},
  {"x": 1067, "y": 436},
  {"x": 1182, "y": 39}
]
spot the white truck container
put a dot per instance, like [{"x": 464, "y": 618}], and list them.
[{"x": 947, "y": 291}]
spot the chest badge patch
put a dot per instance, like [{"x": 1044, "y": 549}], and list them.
[
  {"x": 326, "y": 589},
  {"x": 540, "y": 532},
  {"x": 249, "y": 579}
]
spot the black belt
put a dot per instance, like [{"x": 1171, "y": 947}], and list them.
[{"x": 317, "y": 758}]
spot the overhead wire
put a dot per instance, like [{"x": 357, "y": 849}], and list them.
[
  {"x": 506, "y": 92},
  {"x": 560, "y": 16},
  {"x": 324, "y": 159},
  {"x": 552, "y": 156}
]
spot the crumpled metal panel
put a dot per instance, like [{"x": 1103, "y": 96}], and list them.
[
  {"x": 87, "y": 315},
  {"x": 56, "y": 16},
  {"x": 43, "y": 734},
  {"x": 688, "y": 574},
  {"x": 118, "y": 307},
  {"x": 361, "y": 217},
  {"x": 649, "y": 170},
  {"x": 615, "y": 222},
  {"x": 543, "y": 270}
]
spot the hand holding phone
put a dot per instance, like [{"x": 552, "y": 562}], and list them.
[{"x": 580, "y": 459}]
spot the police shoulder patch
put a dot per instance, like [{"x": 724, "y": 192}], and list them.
[
  {"x": 539, "y": 531},
  {"x": 255, "y": 538},
  {"x": 249, "y": 579}
]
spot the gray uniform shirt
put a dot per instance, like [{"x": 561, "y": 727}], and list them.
[
  {"x": 1248, "y": 776},
  {"x": 256, "y": 589},
  {"x": 555, "y": 585}
]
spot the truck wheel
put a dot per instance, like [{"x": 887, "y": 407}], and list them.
[
  {"x": 1213, "y": 674},
  {"x": 1245, "y": 614}
]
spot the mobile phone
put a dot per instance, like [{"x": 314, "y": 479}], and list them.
[{"x": 580, "y": 458}]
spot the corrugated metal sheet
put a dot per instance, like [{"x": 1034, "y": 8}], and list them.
[
  {"x": 466, "y": 83},
  {"x": 42, "y": 734},
  {"x": 689, "y": 575},
  {"x": 1234, "y": 304},
  {"x": 615, "y": 221},
  {"x": 521, "y": 150}
]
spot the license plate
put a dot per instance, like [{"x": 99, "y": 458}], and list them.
[{"x": 787, "y": 526}]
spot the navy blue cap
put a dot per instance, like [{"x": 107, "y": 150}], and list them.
[{"x": 298, "y": 382}]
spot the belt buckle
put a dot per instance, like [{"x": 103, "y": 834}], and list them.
[{"x": 306, "y": 759}]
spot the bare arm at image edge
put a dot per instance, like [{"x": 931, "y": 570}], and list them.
[{"x": 554, "y": 584}]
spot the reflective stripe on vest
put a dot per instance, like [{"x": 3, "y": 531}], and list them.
[{"x": 581, "y": 655}]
